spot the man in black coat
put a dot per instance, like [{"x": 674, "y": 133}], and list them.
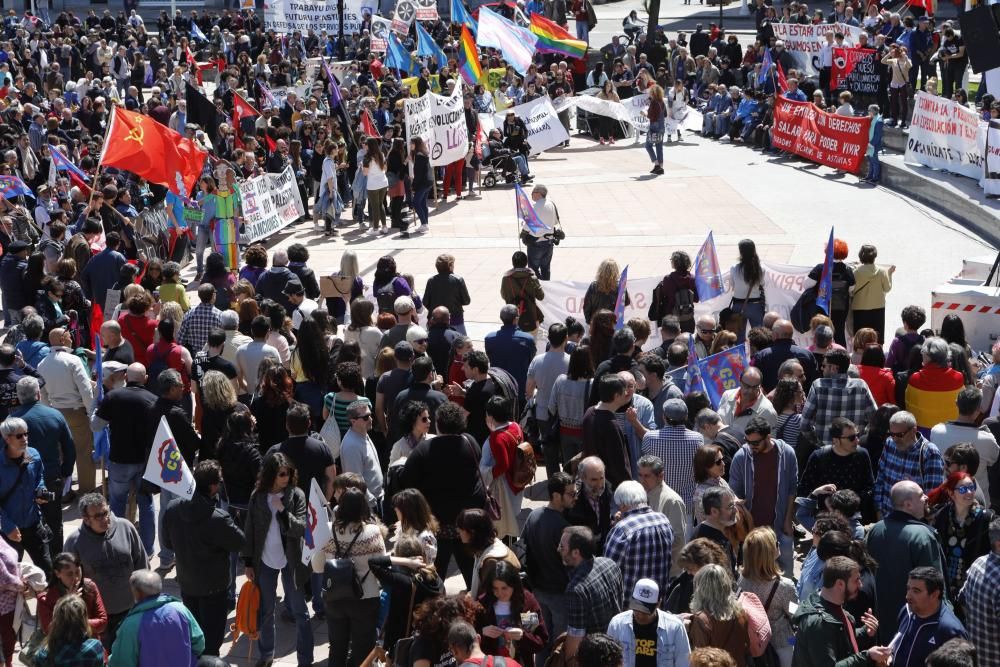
[
  {"x": 271, "y": 284},
  {"x": 592, "y": 487},
  {"x": 783, "y": 348},
  {"x": 12, "y": 267}
]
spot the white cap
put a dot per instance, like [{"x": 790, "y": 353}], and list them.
[{"x": 645, "y": 596}]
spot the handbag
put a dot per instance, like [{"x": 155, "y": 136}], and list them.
[
  {"x": 29, "y": 649},
  {"x": 770, "y": 656},
  {"x": 492, "y": 507},
  {"x": 740, "y": 315},
  {"x": 340, "y": 578}
]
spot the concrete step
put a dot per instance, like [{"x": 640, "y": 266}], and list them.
[{"x": 958, "y": 197}]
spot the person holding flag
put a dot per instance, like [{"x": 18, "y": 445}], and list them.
[
  {"x": 538, "y": 228},
  {"x": 834, "y": 280},
  {"x": 277, "y": 517}
]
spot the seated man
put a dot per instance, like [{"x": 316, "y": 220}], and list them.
[{"x": 496, "y": 149}]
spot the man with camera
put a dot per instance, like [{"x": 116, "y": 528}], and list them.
[
  {"x": 22, "y": 492},
  {"x": 540, "y": 244}
]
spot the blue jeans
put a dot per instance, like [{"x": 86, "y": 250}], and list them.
[
  {"x": 582, "y": 31},
  {"x": 753, "y": 312},
  {"x": 203, "y": 241},
  {"x": 874, "y": 168},
  {"x": 540, "y": 258},
  {"x": 267, "y": 580},
  {"x": 166, "y": 555},
  {"x": 122, "y": 478},
  {"x": 554, "y": 615},
  {"x": 654, "y": 142},
  {"x": 420, "y": 204},
  {"x": 521, "y": 163}
]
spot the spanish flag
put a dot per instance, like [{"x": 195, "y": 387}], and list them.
[{"x": 931, "y": 394}]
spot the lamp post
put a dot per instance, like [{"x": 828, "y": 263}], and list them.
[{"x": 340, "y": 30}]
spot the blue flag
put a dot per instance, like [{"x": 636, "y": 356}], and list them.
[
  {"x": 12, "y": 186},
  {"x": 460, "y": 15},
  {"x": 197, "y": 33},
  {"x": 620, "y": 299},
  {"x": 398, "y": 58},
  {"x": 707, "y": 274},
  {"x": 824, "y": 288},
  {"x": 765, "y": 68},
  {"x": 428, "y": 48},
  {"x": 526, "y": 213},
  {"x": 721, "y": 372},
  {"x": 693, "y": 375},
  {"x": 102, "y": 439}
]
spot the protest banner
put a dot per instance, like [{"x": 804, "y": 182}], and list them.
[
  {"x": 380, "y": 34},
  {"x": 287, "y": 16},
  {"x": 271, "y": 202},
  {"x": 450, "y": 133},
  {"x": 945, "y": 135},
  {"x": 854, "y": 69},
  {"x": 402, "y": 17},
  {"x": 426, "y": 10},
  {"x": 783, "y": 285},
  {"x": 544, "y": 129},
  {"x": 418, "y": 118},
  {"x": 317, "y": 533},
  {"x": 721, "y": 372},
  {"x": 804, "y": 42},
  {"x": 166, "y": 467},
  {"x": 991, "y": 173},
  {"x": 836, "y": 141}
]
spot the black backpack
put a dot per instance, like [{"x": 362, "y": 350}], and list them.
[
  {"x": 684, "y": 304},
  {"x": 506, "y": 386},
  {"x": 157, "y": 364}
]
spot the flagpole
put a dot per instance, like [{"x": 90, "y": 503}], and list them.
[{"x": 104, "y": 150}]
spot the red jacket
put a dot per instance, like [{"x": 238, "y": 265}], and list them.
[
  {"x": 881, "y": 383},
  {"x": 96, "y": 614},
  {"x": 503, "y": 445}
]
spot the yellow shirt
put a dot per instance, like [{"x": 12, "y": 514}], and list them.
[
  {"x": 871, "y": 283},
  {"x": 175, "y": 292}
]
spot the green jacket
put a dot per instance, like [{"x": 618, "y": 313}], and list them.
[
  {"x": 821, "y": 640},
  {"x": 158, "y": 632}
]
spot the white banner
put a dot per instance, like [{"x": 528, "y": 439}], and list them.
[
  {"x": 271, "y": 202},
  {"x": 419, "y": 118},
  {"x": 317, "y": 523},
  {"x": 804, "y": 42},
  {"x": 380, "y": 33},
  {"x": 544, "y": 129},
  {"x": 402, "y": 17},
  {"x": 451, "y": 135},
  {"x": 166, "y": 466},
  {"x": 991, "y": 174},
  {"x": 945, "y": 135},
  {"x": 783, "y": 284},
  {"x": 287, "y": 16}
]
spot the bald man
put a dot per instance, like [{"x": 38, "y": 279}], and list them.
[
  {"x": 116, "y": 348},
  {"x": 440, "y": 336},
  {"x": 128, "y": 412},
  {"x": 69, "y": 390},
  {"x": 783, "y": 348},
  {"x": 740, "y": 404},
  {"x": 900, "y": 542}
]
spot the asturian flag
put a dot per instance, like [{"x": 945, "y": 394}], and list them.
[
  {"x": 166, "y": 467},
  {"x": 317, "y": 523},
  {"x": 824, "y": 288}
]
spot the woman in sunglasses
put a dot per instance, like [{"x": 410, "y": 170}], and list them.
[
  {"x": 962, "y": 526},
  {"x": 709, "y": 467}
]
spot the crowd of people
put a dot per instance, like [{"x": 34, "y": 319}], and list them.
[{"x": 834, "y": 508}]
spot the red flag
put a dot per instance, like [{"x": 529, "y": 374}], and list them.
[
  {"x": 271, "y": 143},
  {"x": 782, "y": 82},
  {"x": 96, "y": 317},
  {"x": 139, "y": 144},
  {"x": 193, "y": 63},
  {"x": 928, "y": 5},
  {"x": 368, "y": 125},
  {"x": 241, "y": 109}
]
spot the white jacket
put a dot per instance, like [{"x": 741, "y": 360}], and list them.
[{"x": 67, "y": 382}]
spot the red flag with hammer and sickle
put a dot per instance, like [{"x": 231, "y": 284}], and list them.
[{"x": 156, "y": 153}]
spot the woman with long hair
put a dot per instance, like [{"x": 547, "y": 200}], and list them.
[
  {"x": 280, "y": 337},
  {"x": 352, "y": 627},
  {"x": 221, "y": 278},
  {"x": 347, "y": 284},
  {"x": 717, "y": 617},
  {"x": 962, "y": 526},
  {"x": 74, "y": 299},
  {"x": 722, "y": 341},
  {"x": 388, "y": 285},
  {"x": 461, "y": 346},
  {"x": 423, "y": 180},
  {"x": 248, "y": 310},
  {"x": 311, "y": 357},
  {"x": 275, "y": 525},
  {"x": 270, "y": 403},
  {"x": 568, "y": 402},
  {"x": 374, "y": 167},
  {"x": 416, "y": 519},
  {"x": 603, "y": 291},
  {"x": 409, "y": 579},
  {"x": 70, "y": 640},
  {"x": 362, "y": 331},
  {"x": 239, "y": 453},
  {"x": 953, "y": 331},
  {"x": 477, "y": 533},
  {"x": 604, "y": 127},
  {"x": 761, "y": 575},
  {"x": 352, "y": 388},
  {"x": 878, "y": 432},
  {"x": 226, "y": 219},
  {"x": 510, "y": 620},
  {"x": 68, "y": 579},
  {"x": 602, "y": 328},
  {"x": 789, "y": 395},
  {"x": 153, "y": 276},
  {"x": 747, "y": 277},
  {"x": 709, "y": 465},
  {"x": 218, "y": 398},
  {"x": 397, "y": 172},
  {"x": 657, "y": 114}
]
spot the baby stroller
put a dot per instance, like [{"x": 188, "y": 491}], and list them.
[{"x": 499, "y": 165}]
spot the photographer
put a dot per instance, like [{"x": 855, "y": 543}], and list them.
[
  {"x": 541, "y": 243},
  {"x": 22, "y": 490}
]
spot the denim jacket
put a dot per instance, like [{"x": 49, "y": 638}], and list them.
[
  {"x": 741, "y": 479},
  {"x": 20, "y": 509},
  {"x": 672, "y": 647}
]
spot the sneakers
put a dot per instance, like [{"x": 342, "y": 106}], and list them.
[
  {"x": 657, "y": 170},
  {"x": 611, "y": 141},
  {"x": 602, "y": 142},
  {"x": 678, "y": 135},
  {"x": 384, "y": 231},
  {"x": 422, "y": 229}
]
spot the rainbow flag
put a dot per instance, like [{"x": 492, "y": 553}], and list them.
[
  {"x": 226, "y": 240},
  {"x": 553, "y": 38},
  {"x": 468, "y": 58}
]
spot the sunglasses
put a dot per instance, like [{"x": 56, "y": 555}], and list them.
[
  {"x": 900, "y": 434},
  {"x": 755, "y": 443},
  {"x": 965, "y": 490},
  {"x": 99, "y": 515},
  {"x": 365, "y": 417},
  {"x": 749, "y": 386},
  {"x": 19, "y": 436}
]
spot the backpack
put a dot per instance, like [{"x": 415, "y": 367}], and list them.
[
  {"x": 247, "y": 608},
  {"x": 657, "y": 307},
  {"x": 840, "y": 298},
  {"x": 525, "y": 465},
  {"x": 157, "y": 364},
  {"x": 506, "y": 386},
  {"x": 625, "y": 22},
  {"x": 341, "y": 582},
  {"x": 684, "y": 304},
  {"x": 557, "y": 658},
  {"x": 385, "y": 296}
]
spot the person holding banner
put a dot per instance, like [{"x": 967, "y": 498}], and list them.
[{"x": 275, "y": 524}]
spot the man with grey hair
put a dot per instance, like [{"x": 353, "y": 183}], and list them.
[
  {"x": 50, "y": 435},
  {"x": 901, "y": 541},
  {"x": 540, "y": 244},
  {"x": 740, "y": 404},
  {"x": 271, "y": 284},
  {"x": 675, "y": 445},
  {"x": 635, "y": 418},
  {"x": 641, "y": 542},
  {"x": 661, "y": 498},
  {"x": 229, "y": 320},
  {"x": 23, "y": 484},
  {"x": 358, "y": 453},
  {"x": 510, "y": 348},
  {"x": 931, "y": 392},
  {"x": 110, "y": 549},
  {"x": 704, "y": 335},
  {"x": 159, "y": 629},
  {"x": 907, "y": 455},
  {"x": 594, "y": 499}
]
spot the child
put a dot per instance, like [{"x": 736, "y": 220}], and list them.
[{"x": 172, "y": 288}]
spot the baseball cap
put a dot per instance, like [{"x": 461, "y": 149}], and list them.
[
  {"x": 110, "y": 367},
  {"x": 403, "y": 305},
  {"x": 403, "y": 351},
  {"x": 18, "y": 246},
  {"x": 675, "y": 409},
  {"x": 415, "y": 334},
  {"x": 645, "y": 596}
]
